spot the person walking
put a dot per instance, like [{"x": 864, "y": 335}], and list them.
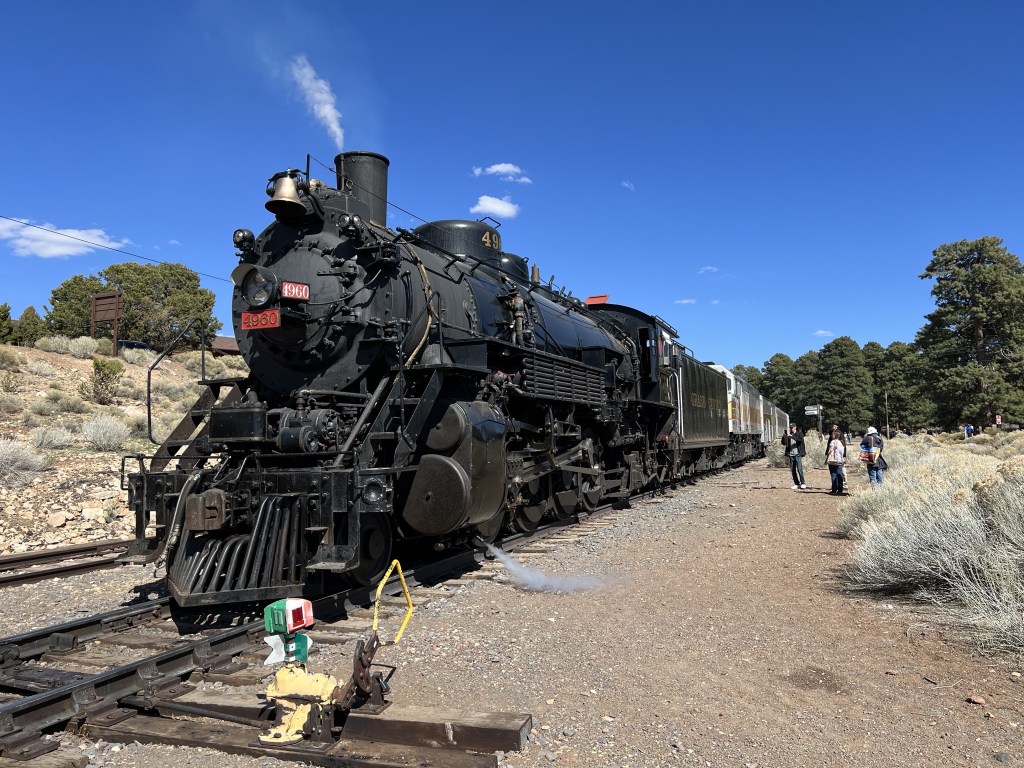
[
  {"x": 793, "y": 444},
  {"x": 835, "y": 457},
  {"x": 871, "y": 453}
]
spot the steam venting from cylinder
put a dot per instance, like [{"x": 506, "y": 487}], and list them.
[{"x": 364, "y": 175}]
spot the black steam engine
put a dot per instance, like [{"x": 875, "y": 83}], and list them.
[{"x": 407, "y": 385}]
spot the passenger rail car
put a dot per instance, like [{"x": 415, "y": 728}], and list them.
[{"x": 421, "y": 386}]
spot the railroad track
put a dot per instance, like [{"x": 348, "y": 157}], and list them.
[
  {"x": 27, "y": 567},
  {"x": 108, "y": 674}
]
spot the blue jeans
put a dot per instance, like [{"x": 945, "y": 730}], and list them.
[
  {"x": 796, "y": 466},
  {"x": 874, "y": 474},
  {"x": 836, "y": 473}
]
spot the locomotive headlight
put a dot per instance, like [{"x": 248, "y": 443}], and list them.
[
  {"x": 258, "y": 285},
  {"x": 243, "y": 239}
]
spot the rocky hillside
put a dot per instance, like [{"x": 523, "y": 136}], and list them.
[{"x": 61, "y": 440}]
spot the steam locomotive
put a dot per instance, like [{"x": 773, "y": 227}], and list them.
[{"x": 420, "y": 386}]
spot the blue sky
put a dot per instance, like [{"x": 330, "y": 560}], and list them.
[{"x": 763, "y": 176}]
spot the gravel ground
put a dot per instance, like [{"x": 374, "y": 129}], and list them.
[{"x": 715, "y": 636}]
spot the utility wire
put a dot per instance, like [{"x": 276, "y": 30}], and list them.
[{"x": 107, "y": 247}]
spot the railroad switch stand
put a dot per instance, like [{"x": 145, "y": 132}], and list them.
[{"x": 309, "y": 704}]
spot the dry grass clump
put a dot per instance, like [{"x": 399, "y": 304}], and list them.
[
  {"x": 52, "y": 437},
  {"x": 41, "y": 368},
  {"x": 105, "y": 433},
  {"x": 59, "y": 344},
  {"x": 10, "y": 361},
  {"x": 83, "y": 347},
  {"x": 947, "y": 526},
  {"x": 141, "y": 357},
  {"x": 19, "y": 464},
  {"x": 193, "y": 361},
  {"x": 235, "y": 365},
  {"x": 65, "y": 403},
  {"x": 10, "y": 405}
]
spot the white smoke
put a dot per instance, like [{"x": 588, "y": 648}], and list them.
[
  {"x": 538, "y": 581},
  {"x": 319, "y": 98}
]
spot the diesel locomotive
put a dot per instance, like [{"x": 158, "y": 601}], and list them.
[{"x": 422, "y": 386}]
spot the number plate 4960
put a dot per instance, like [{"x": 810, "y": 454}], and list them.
[{"x": 257, "y": 321}]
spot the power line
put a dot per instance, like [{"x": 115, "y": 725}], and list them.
[{"x": 107, "y": 247}]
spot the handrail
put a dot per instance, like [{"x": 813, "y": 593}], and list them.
[{"x": 160, "y": 357}]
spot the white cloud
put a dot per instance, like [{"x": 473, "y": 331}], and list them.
[
  {"x": 629, "y": 185},
  {"x": 714, "y": 301},
  {"x": 56, "y": 244},
  {"x": 706, "y": 270},
  {"x": 824, "y": 334},
  {"x": 686, "y": 301},
  {"x": 503, "y": 207},
  {"x": 173, "y": 242},
  {"x": 319, "y": 98},
  {"x": 504, "y": 171}
]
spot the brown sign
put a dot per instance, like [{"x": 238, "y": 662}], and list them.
[{"x": 107, "y": 306}]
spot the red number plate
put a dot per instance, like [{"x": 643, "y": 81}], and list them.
[
  {"x": 257, "y": 321},
  {"x": 298, "y": 291}
]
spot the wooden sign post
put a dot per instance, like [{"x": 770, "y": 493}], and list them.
[{"x": 106, "y": 306}]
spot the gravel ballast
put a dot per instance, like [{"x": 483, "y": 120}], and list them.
[{"x": 716, "y": 635}]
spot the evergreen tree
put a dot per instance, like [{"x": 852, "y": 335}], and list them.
[
  {"x": 30, "y": 327},
  {"x": 750, "y": 373},
  {"x": 159, "y": 299},
  {"x": 779, "y": 381},
  {"x": 6, "y": 325},
  {"x": 845, "y": 385},
  {"x": 974, "y": 340},
  {"x": 903, "y": 384},
  {"x": 874, "y": 359},
  {"x": 806, "y": 389},
  {"x": 71, "y": 305}
]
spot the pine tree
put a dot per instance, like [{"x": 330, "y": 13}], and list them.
[
  {"x": 974, "y": 340},
  {"x": 30, "y": 327},
  {"x": 6, "y": 325}
]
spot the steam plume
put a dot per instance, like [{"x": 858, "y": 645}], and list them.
[
  {"x": 319, "y": 98},
  {"x": 538, "y": 581}
]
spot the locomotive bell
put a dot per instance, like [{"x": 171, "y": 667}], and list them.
[{"x": 284, "y": 196}]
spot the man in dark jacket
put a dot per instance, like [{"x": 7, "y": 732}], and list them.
[{"x": 793, "y": 444}]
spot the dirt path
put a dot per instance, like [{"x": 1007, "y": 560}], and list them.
[{"x": 726, "y": 642}]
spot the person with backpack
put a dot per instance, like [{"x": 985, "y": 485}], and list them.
[
  {"x": 871, "y": 454},
  {"x": 835, "y": 457},
  {"x": 793, "y": 445}
]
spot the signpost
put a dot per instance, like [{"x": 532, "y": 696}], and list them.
[
  {"x": 814, "y": 410},
  {"x": 105, "y": 307}
]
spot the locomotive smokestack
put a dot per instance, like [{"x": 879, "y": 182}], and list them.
[{"x": 364, "y": 175}]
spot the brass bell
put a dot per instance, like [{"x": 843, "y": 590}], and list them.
[{"x": 284, "y": 201}]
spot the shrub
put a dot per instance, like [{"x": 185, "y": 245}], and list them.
[
  {"x": 131, "y": 390},
  {"x": 58, "y": 344},
  {"x": 138, "y": 425},
  {"x": 9, "y": 361},
  {"x": 138, "y": 356},
  {"x": 105, "y": 433},
  {"x": 102, "y": 385},
  {"x": 18, "y": 463},
  {"x": 52, "y": 437},
  {"x": 104, "y": 347},
  {"x": 83, "y": 347},
  {"x": 947, "y": 526},
  {"x": 9, "y": 381},
  {"x": 41, "y": 368},
  {"x": 44, "y": 408},
  {"x": 235, "y": 365},
  {"x": 10, "y": 404}
]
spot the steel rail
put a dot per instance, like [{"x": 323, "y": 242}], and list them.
[{"x": 44, "y": 556}]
